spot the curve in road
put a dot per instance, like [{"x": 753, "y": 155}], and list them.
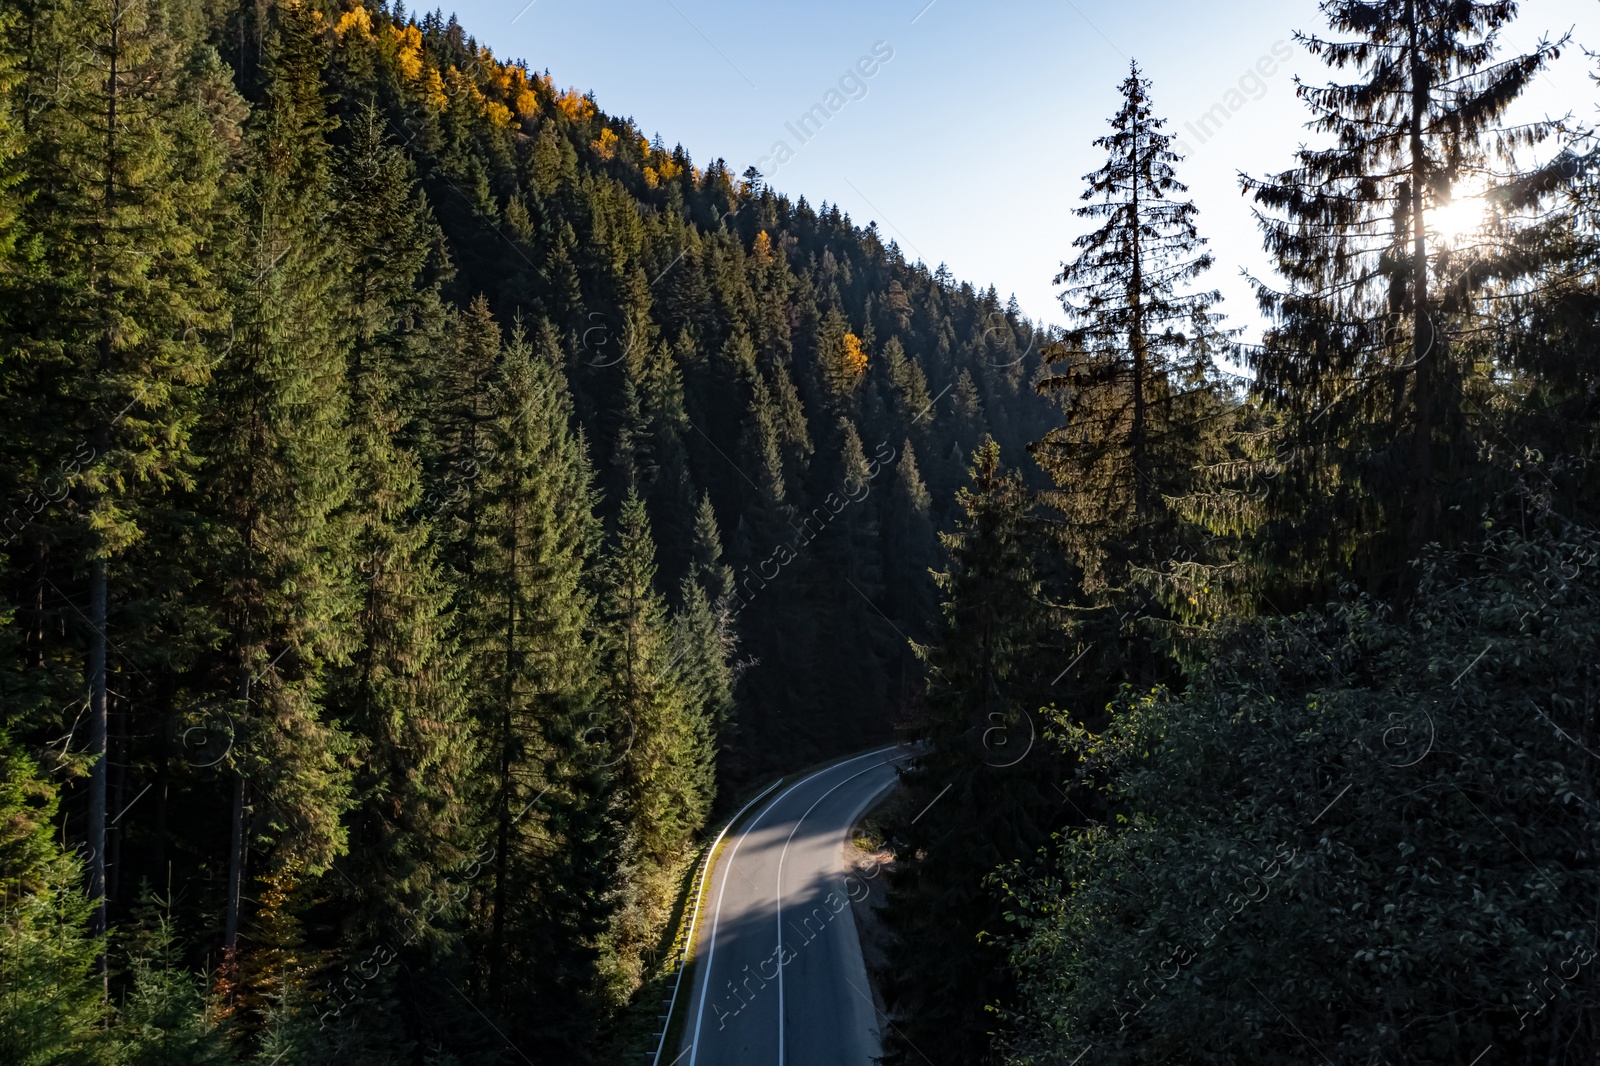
[{"x": 782, "y": 979}]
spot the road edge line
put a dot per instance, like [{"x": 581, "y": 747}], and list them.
[
  {"x": 707, "y": 865},
  {"x": 690, "y": 955}
]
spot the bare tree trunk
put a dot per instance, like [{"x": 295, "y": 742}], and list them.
[
  {"x": 236, "y": 849},
  {"x": 503, "y": 835},
  {"x": 97, "y": 747},
  {"x": 99, "y": 591},
  {"x": 1426, "y": 347}
]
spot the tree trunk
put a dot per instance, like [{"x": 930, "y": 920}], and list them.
[
  {"x": 236, "y": 847},
  {"x": 1426, "y": 346},
  {"x": 116, "y": 744},
  {"x": 1136, "y": 442},
  {"x": 503, "y": 835},
  {"x": 97, "y": 747},
  {"x": 158, "y": 862}
]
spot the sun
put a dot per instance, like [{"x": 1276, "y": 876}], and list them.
[{"x": 1461, "y": 217}]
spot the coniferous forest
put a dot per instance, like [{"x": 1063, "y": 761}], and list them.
[{"x": 431, "y": 507}]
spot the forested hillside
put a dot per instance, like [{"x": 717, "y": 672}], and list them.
[{"x": 426, "y": 499}]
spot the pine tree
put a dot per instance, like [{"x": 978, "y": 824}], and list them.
[
  {"x": 123, "y": 173},
  {"x": 910, "y": 384},
  {"x": 458, "y": 388},
  {"x": 164, "y": 1018},
  {"x": 1141, "y": 396},
  {"x": 279, "y": 448},
  {"x": 549, "y": 761},
  {"x": 668, "y": 770},
  {"x": 967, "y": 407},
  {"x": 843, "y": 572},
  {"x": 1543, "y": 324},
  {"x": 1361, "y": 363},
  {"x": 49, "y": 1008},
  {"x": 401, "y": 695},
  {"x": 978, "y": 794},
  {"x": 910, "y": 546},
  {"x": 706, "y": 644},
  {"x": 709, "y": 570},
  {"x": 654, "y": 426}
]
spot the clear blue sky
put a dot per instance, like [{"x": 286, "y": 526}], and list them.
[{"x": 968, "y": 145}]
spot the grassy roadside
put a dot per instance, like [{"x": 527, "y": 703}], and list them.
[{"x": 683, "y": 915}]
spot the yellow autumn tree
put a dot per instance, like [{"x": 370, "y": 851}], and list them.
[
  {"x": 575, "y": 105},
  {"x": 408, "y": 51},
  {"x": 844, "y": 360},
  {"x": 526, "y": 102},
  {"x": 762, "y": 248},
  {"x": 433, "y": 90},
  {"x": 355, "y": 20},
  {"x": 855, "y": 360}
]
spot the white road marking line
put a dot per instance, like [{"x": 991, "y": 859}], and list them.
[
  {"x": 716, "y": 918},
  {"x": 779, "y": 894}
]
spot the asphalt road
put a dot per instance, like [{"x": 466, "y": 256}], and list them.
[{"x": 782, "y": 891}]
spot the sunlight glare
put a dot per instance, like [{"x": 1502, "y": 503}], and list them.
[{"x": 1462, "y": 217}]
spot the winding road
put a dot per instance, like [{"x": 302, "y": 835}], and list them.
[{"x": 781, "y": 890}]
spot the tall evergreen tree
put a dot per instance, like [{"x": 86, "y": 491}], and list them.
[
  {"x": 910, "y": 546},
  {"x": 709, "y": 569},
  {"x": 977, "y": 792},
  {"x": 1361, "y": 365},
  {"x": 667, "y": 773},
  {"x": 402, "y": 692},
  {"x": 548, "y": 761},
  {"x": 459, "y": 386},
  {"x": 1143, "y": 404},
  {"x": 279, "y": 447},
  {"x": 123, "y": 171}
]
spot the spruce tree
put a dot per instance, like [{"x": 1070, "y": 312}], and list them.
[
  {"x": 709, "y": 570},
  {"x": 1362, "y": 363},
  {"x": 668, "y": 765},
  {"x": 528, "y": 617},
  {"x": 668, "y": 771},
  {"x": 1543, "y": 322},
  {"x": 401, "y": 695},
  {"x": 705, "y": 644},
  {"x": 164, "y": 1019},
  {"x": 1140, "y": 393},
  {"x": 279, "y": 447},
  {"x": 967, "y": 406},
  {"x": 50, "y": 1010},
  {"x": 910, "y": 546},
  {"x": 459, "y": 445},
  {"x": 123, "y": 173},
  {"x": 978, "y": 793},
  {"x": 653, "y": 429}
]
